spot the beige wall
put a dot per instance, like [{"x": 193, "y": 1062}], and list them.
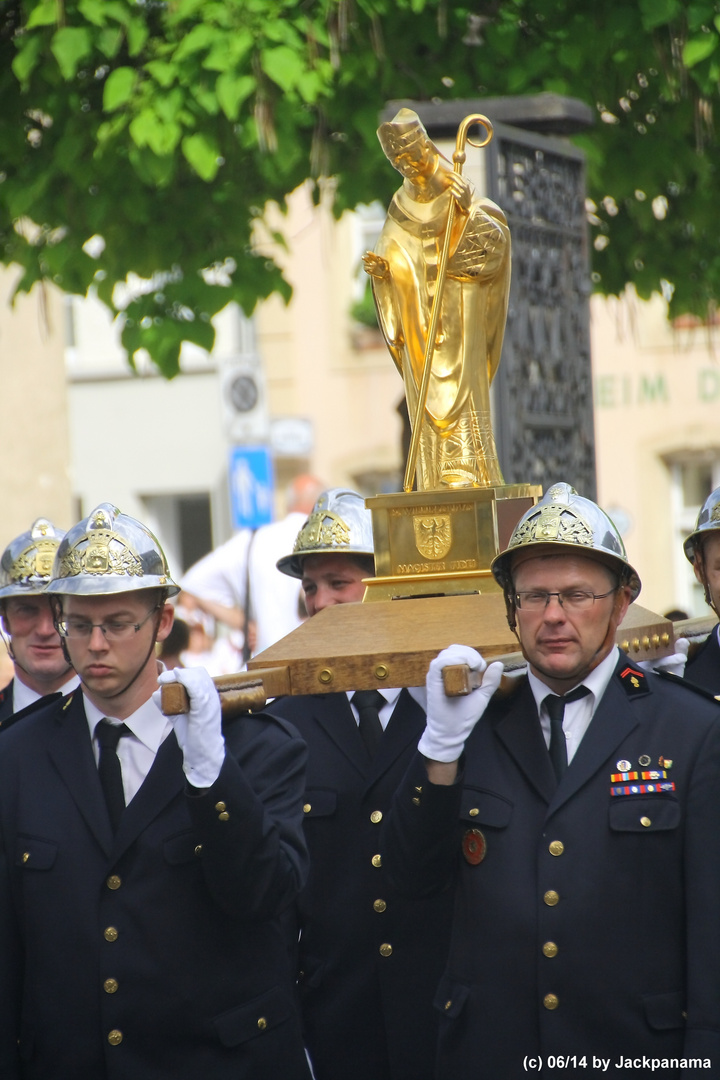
[
  {"x": 34, "y": 463},
  {"x": 657, "y": 400},
  {"x": 313, "y": 368}
]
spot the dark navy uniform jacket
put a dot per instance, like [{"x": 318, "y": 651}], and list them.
[
  {"x": 703, "y": 666},
  {"x": 370, "y": 960},
  {"x": 157, "y": 954},
  {"x": 6, "y": 702},
  {"x": 590, "y": 923},
  {"x": 7, "y": 716}
]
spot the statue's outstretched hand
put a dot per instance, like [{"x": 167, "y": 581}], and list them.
[{"x": 375, "y": 265}]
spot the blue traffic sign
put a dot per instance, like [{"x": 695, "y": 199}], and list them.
[{"x": 252, "y": 483}]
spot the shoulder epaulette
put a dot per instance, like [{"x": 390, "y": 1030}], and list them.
[
  {"x": 633, "y": 681},
  {"x": 687, "y": 685}
]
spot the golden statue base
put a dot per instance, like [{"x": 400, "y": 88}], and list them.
[{"x": 441, "y": 543}]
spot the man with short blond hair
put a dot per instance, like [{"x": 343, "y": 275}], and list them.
[{"x": 369, "y": 960}]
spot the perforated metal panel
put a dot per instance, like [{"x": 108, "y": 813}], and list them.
[{"x": 543, "y": 391}]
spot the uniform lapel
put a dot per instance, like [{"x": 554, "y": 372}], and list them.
[
  {"x": 6, "y": 703},
  {"x": 334, "y": 715},
  {"x": 520, "y": 732},
  {"x": 612, "y": 723},
  {"x": 404, "y": 729},
  {"x": 71, "y": 752},
  {"x": 162, "y": 784}
]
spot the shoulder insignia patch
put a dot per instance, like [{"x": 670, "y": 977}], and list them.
[{"x": 634, "y": 681}]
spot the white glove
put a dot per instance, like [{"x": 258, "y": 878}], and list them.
[
  {"x": 199, "y": 731},
  {"x": 674, "y": 664},
  {"x": 450, "y": 720}
]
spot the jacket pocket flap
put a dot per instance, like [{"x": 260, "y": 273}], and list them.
[
  {"x": 319, "y": 802},
  {"x": 312, "y": 971},
  {"x": 664, "y": 1011},
  {"x": 654, "y": 813},
  {"x": 254, "y": 1018},
  {"x": 485, "y": 807},
  {"x": 34, "y": 854},
  {"x": 450, "y": 997},
  {"x": 181, "y": 848}
]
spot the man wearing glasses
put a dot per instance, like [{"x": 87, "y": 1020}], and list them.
[
  {"x": 144, "y": 860},
  {"x": 40, "y": 665},
  {"x": 576, "y": 815}
]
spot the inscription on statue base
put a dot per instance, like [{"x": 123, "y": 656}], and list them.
[{"x": 441, "y": 543}]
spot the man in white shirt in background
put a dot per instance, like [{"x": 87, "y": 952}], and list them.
[{"x": 219, "y": 582}]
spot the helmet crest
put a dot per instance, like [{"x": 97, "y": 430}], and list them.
[
  {"x": 338, "y": 525},
  {"x": 109, "y": 552}
]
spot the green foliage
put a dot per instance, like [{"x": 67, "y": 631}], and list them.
[{"x": 165, "y": 126}]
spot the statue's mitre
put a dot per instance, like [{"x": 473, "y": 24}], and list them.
[{"x": 402, "y": 131}]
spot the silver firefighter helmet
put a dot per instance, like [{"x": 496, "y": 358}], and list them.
[
  {"x": 27, "y": 561},
  {"x": 708, "y": 521},
  {"x": 338, "y": 525},
  {"x": 109, "y": 552},
  {"x": 564, "y": 522}
]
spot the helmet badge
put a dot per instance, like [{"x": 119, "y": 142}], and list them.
[
  {"x": 99, "y": 556},
  {"x": 323, "y": 529},
  {"x": 554, "y": 522}
]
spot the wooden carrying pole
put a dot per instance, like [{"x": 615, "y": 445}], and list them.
[{"x": 366, "y": 646}]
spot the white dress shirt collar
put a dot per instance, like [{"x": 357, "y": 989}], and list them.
[
  {"x": 24, "y": 696},
  {"x": 147, "y": 723},
  {"x": 390, "y": 693}
]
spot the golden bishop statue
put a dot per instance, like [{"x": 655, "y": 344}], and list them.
[{"x": 441, "y": 276}]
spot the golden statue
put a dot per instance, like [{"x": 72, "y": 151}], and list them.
[{"x": 442, "y": 261}]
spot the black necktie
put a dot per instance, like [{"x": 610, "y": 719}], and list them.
[
  {"x": 368, "y": 703},
  {"x": 108, "y": 736},
  {"x": 556, "y": 710}
]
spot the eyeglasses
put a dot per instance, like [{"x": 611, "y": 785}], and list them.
[
  {"x": 570, "y": 599},
  {"x": 116, "y": 630}
]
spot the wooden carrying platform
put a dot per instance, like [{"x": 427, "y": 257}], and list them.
[{"x": 391, "y": 643}]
